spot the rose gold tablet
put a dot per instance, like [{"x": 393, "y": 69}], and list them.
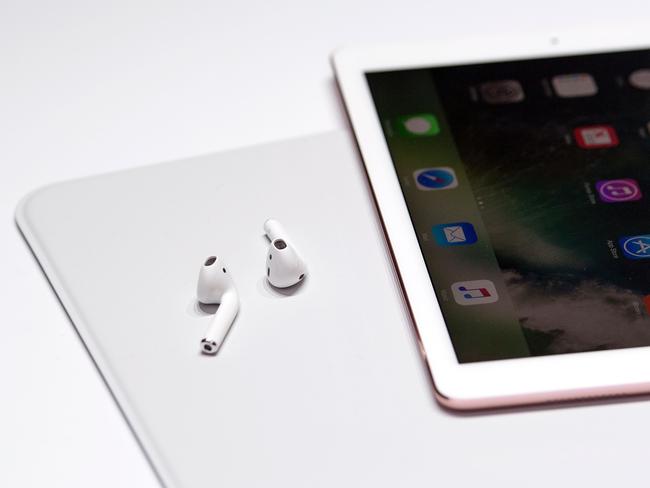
[{"x": 513, "y": 182}]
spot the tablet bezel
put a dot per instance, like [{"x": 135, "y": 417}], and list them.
[{"x": 490, "y": 383}]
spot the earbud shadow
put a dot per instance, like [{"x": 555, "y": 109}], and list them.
[
  {"x": 269, "y": 290},
  {"x": 197, "y": 309},
  {"x": 207, "y": 309}
]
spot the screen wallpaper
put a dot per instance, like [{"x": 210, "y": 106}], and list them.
[{"x": 528, "y": 184}]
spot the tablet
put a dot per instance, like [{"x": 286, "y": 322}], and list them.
[{"x": 513, "y": 185}]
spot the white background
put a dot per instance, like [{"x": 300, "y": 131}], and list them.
[{"x": 90, "y": 87}]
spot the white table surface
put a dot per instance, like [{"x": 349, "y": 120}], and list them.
[{"x": 91, "y": 87}]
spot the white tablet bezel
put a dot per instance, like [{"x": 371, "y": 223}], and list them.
[{"x": 490, "y": 383}]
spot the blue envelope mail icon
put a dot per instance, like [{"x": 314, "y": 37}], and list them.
[{"x": 454, "y": 234}]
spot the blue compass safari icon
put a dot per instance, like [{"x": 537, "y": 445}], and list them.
[
  {"x": 441, "y": 178},
  {"x": 635, "y": 247}
]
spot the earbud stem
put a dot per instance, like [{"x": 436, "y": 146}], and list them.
[
  {"x": 221, "y": 323},
  {"x": 274, "y": 230}
]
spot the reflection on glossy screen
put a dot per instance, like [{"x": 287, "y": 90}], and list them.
[{"x": 527, "y": 183}]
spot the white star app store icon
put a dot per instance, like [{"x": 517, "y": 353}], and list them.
[{"x": 477, "y": 292}]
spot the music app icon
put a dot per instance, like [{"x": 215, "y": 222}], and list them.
[
  {"x": 621, "y": 190},
  {"x": 475, "y": 292}
]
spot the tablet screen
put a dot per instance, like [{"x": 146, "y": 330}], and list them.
[{"x": 528, "y": 185}]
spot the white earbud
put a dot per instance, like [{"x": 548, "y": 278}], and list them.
[
  {"x": 284, "y": 266},
  {"x": 215, "y": 286}
]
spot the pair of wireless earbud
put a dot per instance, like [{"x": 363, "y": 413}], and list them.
[{"x": 284, "y": 268}]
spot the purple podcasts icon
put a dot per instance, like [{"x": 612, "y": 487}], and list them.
[{"x": 622, "y": 190}]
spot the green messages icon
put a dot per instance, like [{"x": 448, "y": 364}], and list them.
[{"x": 417, "y": 125}]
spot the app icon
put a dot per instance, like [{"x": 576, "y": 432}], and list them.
[
  {"x": 595, "y": 136},
  {"x": 475, "y": 292},
  {"x": 456, "y": 234},
  {"x": 574, "y": 85},
  {"x": 442, "y": 178},
  {"x": 503, "y": 91},
  {"x": 623, "y": 190},
  {"x": 418, "y": 125},
  {"x": 640, "y": 79},
  {"x": 635, "y": 247}
]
